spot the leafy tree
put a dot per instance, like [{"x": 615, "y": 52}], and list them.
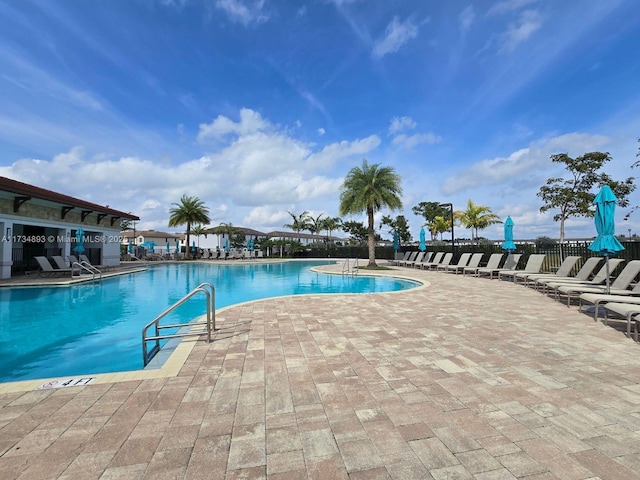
[
  {"x": 315, "y": 224},
  {"x": 573, "y": 197},
  {"x": 429, "y": 211},
  {"x": 400, "y": 225},
  {"x": 189, "y": 211},
  {"x": 476, "y": 217},
  {"x": 356, "y": 230},
  {"x": 370, "y": 188},
  {"x": 299, "y": 222}
]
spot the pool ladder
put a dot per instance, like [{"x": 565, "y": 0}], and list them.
[
  {"x": 87, "y": 267},
  {"x": 209, "y": 290},
  {"x": 348, "y": 268}
]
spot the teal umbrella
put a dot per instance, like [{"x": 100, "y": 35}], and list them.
[
  {"x": 508, "y": 244},
  {"x": 422, "y": 246},
  {"x": 150, "y": 245},
  {"x": 396, "y": 241},
  {"x": 79, "y": 248},
  {"x": 129, "y": 247},
  {"x": 168, "y": 247},
  {"x": 177, "y": 247},
  {"x": 606, "y": 243}
]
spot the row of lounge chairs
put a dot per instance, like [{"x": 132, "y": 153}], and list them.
[
  {"x": 620, "y": 299},
  {"x": 72, "y": 267}
]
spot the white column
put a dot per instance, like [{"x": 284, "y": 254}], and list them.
[{"x": 6, "y": 247}]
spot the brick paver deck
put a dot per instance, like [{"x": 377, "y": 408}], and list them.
[{"x": 466, "y": 378}]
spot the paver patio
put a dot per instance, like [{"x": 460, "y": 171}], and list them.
[{"x": 465, "y": 378}]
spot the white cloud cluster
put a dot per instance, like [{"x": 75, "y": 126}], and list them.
[
  {"x": 467, "y": 16},
  {"x": 401, "y": 124},
  {"x": 527, "y": 24},
  {"x": 395, "y": 36},
  {"x": 242, "y": 11}
]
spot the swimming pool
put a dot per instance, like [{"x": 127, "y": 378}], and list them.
[{"x": 95, "y": 327}]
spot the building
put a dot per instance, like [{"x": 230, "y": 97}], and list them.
[{"x": 39, "y": 222}]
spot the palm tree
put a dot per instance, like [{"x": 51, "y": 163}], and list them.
[
  {"x": 439, "y": 225},
  {"x": 225, "y": 229},
  {"x": 189, "y": 211},
  {"x": 476, "y": 217},
  {"x": 331, "y": 224},
  {"x": 315, "y": 224},
  {"x": 368, "y": 189},
  {"x": 199, "y": 230},
  {"x": 299, "y": 222}
]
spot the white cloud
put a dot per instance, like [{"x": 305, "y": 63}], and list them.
[
  {"x": 521, "y": 164},
  {"x": 528, "y": 23},
  {"x": 244, "y": 12},
  {"x": 321, "y": 131},
  {"x": 410, "y": 141},
  {"x": 344, "y": 149},
  {"x": 395, "y": 36},
  {"x": 399, "y": 124},
  {"x": 250, "y": 122},
  {"x": 467, "y": 16},
  {"x": 508, "y": 6}
]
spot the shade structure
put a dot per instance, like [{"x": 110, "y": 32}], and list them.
[
  {"x": 150, "y": 245},
  {"x": 79, "y": 248},
  {"x": 396, "y": 241},
  {"x": 606, "y": 243},
  {"x": 422, "y": 246},
  {"x": 508, "y": 244}
]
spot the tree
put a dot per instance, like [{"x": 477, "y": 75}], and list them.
[
  {"x": 356, "y": 230},
  {"x": 398, "y": 224},
  {"x": 368, "y": 189},
  {"x": 331, "y": 224},
  {"x": 476, "y": 217},
  {"x": 299, "y": 222},
  {"x": 315, "y": 224},
  {"x": 573, "y": 197},
  {"x": 199, "y": 230},
  {"x": 190, "y": 211},
  {"x": 225, "y": 229},
  {"x": 439, "y": 226},
  {"x": 429, "y": 211}
]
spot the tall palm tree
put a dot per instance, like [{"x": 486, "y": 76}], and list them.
[
  {"x": 476, "y": 217},
  {"x": 189, "y": 211},
  {"x": 331, "y": 224},
  {"x": 316, "y": 224},
  {"x": 439, "y": 226},
  {"x": 225, "y": 229},
  {"x": 368, "y": 189}
]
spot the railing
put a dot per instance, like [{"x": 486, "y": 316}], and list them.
[
  {"x": 209, "y": 290},
  {"x": 82, "y": 265},
  {"x": 347, "y": 268}
]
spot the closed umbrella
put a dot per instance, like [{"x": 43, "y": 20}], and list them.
[
  {"x": 422, "y": 246},
  {"x": 606, "y": 243},
  {"x": 79, "y": 248},
  {"x": 130, "y": 248},
  {"x": 508, "y": 244},
  {"x": 396, "y": 241},
  {"x": 177, "y": 246},
  {"x": 168, "y": 247}
]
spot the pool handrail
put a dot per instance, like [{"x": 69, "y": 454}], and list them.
[
  {"x": 82, "y": 265},
  {"x": 209, "y": 290}
]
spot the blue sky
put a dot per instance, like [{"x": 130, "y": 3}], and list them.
[{"x": 261, "y": 107}]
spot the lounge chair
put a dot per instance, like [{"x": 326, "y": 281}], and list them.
[
  {"x": 533, "y": 265},
  {"x": 564, "y": 270},
  {"x": 85, "y": 260},
  {"x": 493, "y": 262},
  {"x": 619, "y": 286},
  {"x": 582, "y": 276},
  {"x": 260, "y": 254},
  {"x": 59, "y": 262},
  {"x": 47, "y": 270},
  {"x": 463, "y": 261},
  {"x": 412, "y": 258},
  {"x": 418, "y": 258},
  {"x": 598, "y": 279},
  {"x": 626, "y": 310},
  {"x": 445, "y": 260},
  {"x": 398, "y": 260},
  {"x": 596, "y": 299},
  {"x": 437, "y": 257},
  {"x": 510, "y": 263},
  {"x": 425, "y": 259},
  {"x": 474, "y": 262}
]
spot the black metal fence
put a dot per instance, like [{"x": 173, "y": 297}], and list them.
[{"x": 554, "y": 253}]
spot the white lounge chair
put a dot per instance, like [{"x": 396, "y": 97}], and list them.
[
  {"x": 564, "y": 270},
  {"x": 510, "y": 263},
  {"x": 46, "y": 269},
  {"x": 492, "y": 263},
  {"x": 474, "y": 262},
  {"x": 582, "y": 276},
  {"x": 598, "y": 279},
  {"x": 533, "y": 265},
  {"x": 463, "y": 261}
]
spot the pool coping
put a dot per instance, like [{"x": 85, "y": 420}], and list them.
[{"x": 180, "y": 353}]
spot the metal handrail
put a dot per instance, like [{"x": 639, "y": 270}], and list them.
[
  {"x": 209, "y": 290},
  {"x": 348, "y": 269},
  {"x": 138, "y": 259},
  {"x": 88, "y": 267}
]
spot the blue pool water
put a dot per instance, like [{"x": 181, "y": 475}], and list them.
[{"x": 96, "y": 328}]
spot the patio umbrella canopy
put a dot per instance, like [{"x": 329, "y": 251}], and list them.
[
  {"x": 79, "y": 248},
  {"x": 606, "y": 243},
  {"x": 422, "y": 245},
  {"x": 508, "y": 244}
]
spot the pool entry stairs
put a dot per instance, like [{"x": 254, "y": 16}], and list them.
[{"x": 152, "y": 331}]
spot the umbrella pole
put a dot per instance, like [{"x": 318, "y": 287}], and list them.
[{"x": 606, "y": 261}]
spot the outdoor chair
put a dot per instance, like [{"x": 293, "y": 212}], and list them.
[
  {"x": 564, "y": 270},
  {"x": 404, "y": 257},
  {"x": 463, "y": 261},
  {"x": 445, "y": 260},
  {"x": 412, "y": 258},
  {"x": 474, "y": 261},
  {"x": 425, "y": 259},
  {"x": 597, "y": 299},
  {"x": 510, "y": 263},
  {"x": 533, "y": 265},
  {"x": 418, "y": 258},
  {"x": 47, "y": 270},
  {"x": 583, "y": 275},
  {"x": 598, "y": 279},
  {"x": 493, "y": 262},
  {"x": 437, "y": 257}
]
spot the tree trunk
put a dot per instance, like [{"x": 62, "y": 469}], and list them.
[
  {"x": 371, "y": 239},
  {"x": 186, "y": 251}
]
